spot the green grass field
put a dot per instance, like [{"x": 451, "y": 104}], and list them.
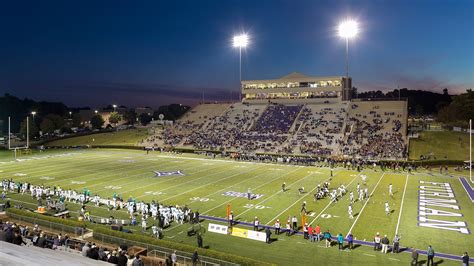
[
  {"x": 442, "y": 144},
  {"x": 130, "y": 173},
  {"x": 130, "y": 137}
]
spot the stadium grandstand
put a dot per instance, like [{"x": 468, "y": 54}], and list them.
[{"x": 295, "y": 114}]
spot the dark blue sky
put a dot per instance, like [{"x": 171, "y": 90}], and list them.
[{"x": 91, "y": 53}]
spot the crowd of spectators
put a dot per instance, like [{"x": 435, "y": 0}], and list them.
[{"x": 314, "y": 130}]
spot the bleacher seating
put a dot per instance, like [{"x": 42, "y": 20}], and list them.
[{"x": 369, "y": 129}]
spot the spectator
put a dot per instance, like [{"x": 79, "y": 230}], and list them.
[
  {"x": 41, "y": 241},
  {"x": 122, "y": 259},
  {"x": 85, "y": 249},
  {"x": 113, "y": 258},
  {"x": 195, "y": 258},
  {"x": 174, "y": 259},
  {"x": 137, "y": 261}
]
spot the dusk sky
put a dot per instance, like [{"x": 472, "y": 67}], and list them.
[{"x": 137, "y": 53}]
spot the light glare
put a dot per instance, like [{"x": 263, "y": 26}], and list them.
[
  {"x": 348, "y": 29},
  {"x": 241, "y": 40}
]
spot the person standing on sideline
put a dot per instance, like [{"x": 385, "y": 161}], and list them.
[
  {"x": 277, "y": 227},
  {"x": 231, "y": 219},
  {"x": 377, "y": 241},
  {"x": 317, "y": 231},
  {"x": 294, "y": 220},
  {"x": 327, "y": 236},
  {"x": 199, "y": 240},
  {"x": 350, "y": 240},
  {"x": 255, "y": 224},
  {"x": 396, "y": 244},
  {"x": 385, "y": 243},
  {"x": 340, "y": 241},
  {"x": 268, "y": 233},
  {"x": 310, "y": 233},
  {"x": 249, "y": 194},
  {"x": 431, "y": 254},
  {"x": 465, "y": 259},
  {"x": 414, "y": 256},
  {"x": 288, "y": 228}
]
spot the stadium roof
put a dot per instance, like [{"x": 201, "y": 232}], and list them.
[{"x": 293, "y": 77}]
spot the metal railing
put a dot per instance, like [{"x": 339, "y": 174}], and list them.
[
  {"x": 52, "y": 226},
  {"x": 158, "y": 251}
]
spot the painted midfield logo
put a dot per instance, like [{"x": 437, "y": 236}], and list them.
[{"x": 169, "y": 173}]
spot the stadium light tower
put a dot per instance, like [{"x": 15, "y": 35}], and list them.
[
  {"x": 240, "y": 41},
  {"x": 348, "y": 29},
  {"x": 115, "y": 107},
  {"x": 33, "y": 114}
]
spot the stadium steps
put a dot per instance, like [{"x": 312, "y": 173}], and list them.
[{"x": 11, "y": 254}]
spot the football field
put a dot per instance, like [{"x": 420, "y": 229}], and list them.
[{"x": 426, "y": 208}]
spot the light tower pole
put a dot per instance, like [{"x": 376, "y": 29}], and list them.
[
  {"x": 348, "y": 29},
  {"x": 240, "y": 41}
]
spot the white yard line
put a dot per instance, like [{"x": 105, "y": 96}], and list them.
[
  {"x": 309, "y": 193},
  {"x": 251, "y": 189},
  {"x": 329, "y": 204},
  {"x": 207, "y": 184},
  {"x": 365, "y": 204},
  {"x": 401, "y": 206},
  {"x": 279, "y": 191}
]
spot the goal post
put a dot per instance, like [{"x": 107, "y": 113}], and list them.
[{"x": 26, "y": 145}]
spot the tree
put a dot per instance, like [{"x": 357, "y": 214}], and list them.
[
  {"x": 144, "y": 119},
  {"x": 76, "y": 120},
  {"x": 130, "y": 116},
  {"x": 97, "y": 122},
  {"x": 115, "y": 117},
  {"x": 47, "y": 126},
  {"x": 33, "y": 129}
]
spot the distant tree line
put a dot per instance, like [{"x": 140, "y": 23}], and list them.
[
  {"x": 459, "y": 111},
  {"x": 419, "y": 102},
  {"x": 51, "y": 116}
]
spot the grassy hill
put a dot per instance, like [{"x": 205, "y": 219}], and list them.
[
  {"x": 441, "y": 144},
  {"x": 123, "y": 137}
]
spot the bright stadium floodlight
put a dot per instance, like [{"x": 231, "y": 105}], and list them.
[
  {"x": 114, "y": 106},
  {"x": 348, "y": 29},
  {"x": 240, "y": 41}
]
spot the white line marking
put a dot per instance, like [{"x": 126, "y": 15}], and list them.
[
  {"x": 393, "y": 259},
  {"x": 370, "y": 255},
  {"x": 365, "y": 204},
  {"x": 401, "y": 206},
  {"x": 279, "y": 191}
]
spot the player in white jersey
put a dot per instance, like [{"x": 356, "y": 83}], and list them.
[
  {"x": 387, "y": 208},
  {"x": 390, "y": 190},
  {"x": 349, "y": 211},
  {"x": 364, "y": 179},
  {"x": 351, "y": 197}
]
